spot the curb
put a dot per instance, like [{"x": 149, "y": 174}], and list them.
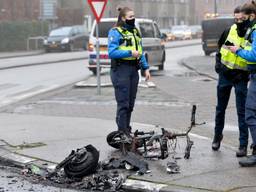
[
  {"x": 84, "y": 84},
  {"x": 22, "y": 55},
  {"x": 42, "y": 63},
  {"x": 185, "y": 45},
  {"x": 67, "y": 60},
  {"x": 143, "y": 186},
  {"x": 81, "y": 84},
  {"x": 184, "y": 64},
  {"x": 13, "y": 159}
]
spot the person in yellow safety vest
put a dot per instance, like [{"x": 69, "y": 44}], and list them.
[
  {"x": 232, "y": 71},
  {"x": 126, "y": 54}
]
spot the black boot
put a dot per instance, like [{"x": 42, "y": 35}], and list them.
[
  {"x": 216, "y": 142},
  {"x": 251, "y": 160},
  {"x": 242, "y": 151},
  {"x": 248, "y": 162}
]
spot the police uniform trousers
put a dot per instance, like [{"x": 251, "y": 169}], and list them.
[
  {"x": 224, "y": 88},
  {"x": 125, "y": 80},
  {"x": 250, "y": 108}
]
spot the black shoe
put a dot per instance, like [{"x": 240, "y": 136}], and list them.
[
  {"x": 242, "y": 151},
  {"x": 248, "y": 162},
  {"x": 216, "y": 142}
]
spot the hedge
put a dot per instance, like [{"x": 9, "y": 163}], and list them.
[{"x": 14, "y": 35}]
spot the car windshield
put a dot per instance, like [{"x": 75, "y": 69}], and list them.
[
  {"x": 195, "y": 28},
  {"x": 64, "y": 31},
  {"x": 179, "y": 28},
  {"x": 104, "y": 28},
  {"x": 165, "y": 30}
]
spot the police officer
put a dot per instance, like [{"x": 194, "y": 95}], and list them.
[
  {"x": 232, "y": 72},
  {"x": 249, "y": 53},
  {"x": 126, "y": 54}
]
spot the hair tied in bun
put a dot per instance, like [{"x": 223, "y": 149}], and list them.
[{"x": 119, "y": 9}]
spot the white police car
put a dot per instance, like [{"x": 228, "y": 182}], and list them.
[{"x": 153, "y": 47}]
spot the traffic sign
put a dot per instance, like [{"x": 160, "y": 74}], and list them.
[{"x": 98, "y": 7}]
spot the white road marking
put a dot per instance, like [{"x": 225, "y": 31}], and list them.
[{"x": 19, "y": 97}]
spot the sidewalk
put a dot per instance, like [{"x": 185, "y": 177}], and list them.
[
  {"x": 6, "y": 55},
  {"x": 205, "y": 171},
  {"x": 38, "y": 139}
]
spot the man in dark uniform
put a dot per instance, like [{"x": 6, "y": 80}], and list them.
[{"x": 232, "y": 72}]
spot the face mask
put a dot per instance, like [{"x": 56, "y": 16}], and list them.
[
  {"x": 130, "y": 22},
  {"x": 241, "y": 28},
  {"x": 247, "y": 23}
]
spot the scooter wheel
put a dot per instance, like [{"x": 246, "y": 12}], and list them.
[
  {"x": 113, "y": 138},
  {"x": 83, "y": 164}
]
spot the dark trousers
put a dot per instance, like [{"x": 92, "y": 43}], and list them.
[
  {"x": 250, "y": 108},
  {"x": 125, "y": 80},
  {"x": 223, "y": 94}
]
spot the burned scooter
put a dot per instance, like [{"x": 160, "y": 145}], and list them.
[{"x": 143, "y": 142}]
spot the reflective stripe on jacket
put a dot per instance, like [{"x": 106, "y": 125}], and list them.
[
  {"x": 131, "y": 41},
  {"x": 115, "y": 38},
  {"x": 229, "y": 59}
]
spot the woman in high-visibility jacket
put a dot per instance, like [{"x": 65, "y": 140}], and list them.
[{"x": 126, "y": 54}]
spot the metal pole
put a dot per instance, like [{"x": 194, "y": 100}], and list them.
[
  {"x": 215, "y": 8},
  {"x": 98, "y": 58},
  {"x": 27, "y": 44},
  {"x": 36, "y": 43}
]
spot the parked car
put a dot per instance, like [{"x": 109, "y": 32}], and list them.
[
  {"x": 196, "y": 31},
  {"x": 66, "y": 38},
  {"x": 153, "y": 48},
  {"x": 181, "y": 32},
  {"x": 212, "y": 30}
]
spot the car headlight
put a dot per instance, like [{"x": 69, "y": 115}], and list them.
[
  {"x": 65, "y": 40},
  {"x": 45, "y": 42}
]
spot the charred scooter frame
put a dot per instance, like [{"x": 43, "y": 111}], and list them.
[{"x": 145, "y": 140}]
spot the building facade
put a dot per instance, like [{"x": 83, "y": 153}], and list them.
[
  {"x": 16, "y": 10},
  {"x": 165, "y": 12}
]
